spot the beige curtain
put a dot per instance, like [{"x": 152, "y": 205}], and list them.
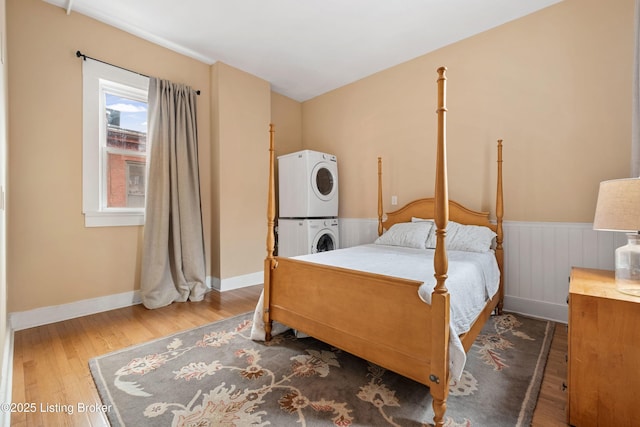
[
  {"x": 173, "y": 263},
  {"x": 635, "y": 119}
]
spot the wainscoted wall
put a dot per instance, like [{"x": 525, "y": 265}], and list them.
[
  {"x": 357, "y": 231},
  {"x": 538, "y": 260}
]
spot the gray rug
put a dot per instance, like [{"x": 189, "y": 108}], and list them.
[{"x": 215, "y": 375}]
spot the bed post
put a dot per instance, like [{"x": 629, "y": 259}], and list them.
[
  {"x": 380, "y": 210},
  {"x": 439, "y": 376},
  {"x": 270, "y": 262},
  {"x": 499, "y": 237}
]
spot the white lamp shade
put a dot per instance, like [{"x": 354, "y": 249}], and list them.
[{"x": 618, "y": 207}]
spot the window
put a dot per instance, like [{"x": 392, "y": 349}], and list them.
[{"x": 114, "y": 145}]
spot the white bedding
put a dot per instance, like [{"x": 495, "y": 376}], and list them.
[{"x": 473, "y": 279}]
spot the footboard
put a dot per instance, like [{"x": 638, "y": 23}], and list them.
[{"x": 378, "y": 318}]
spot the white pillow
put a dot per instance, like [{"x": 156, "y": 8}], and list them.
[
  {"x": 470, "y": 238},
  {"x": 431, "y": 232},
  {"x": 452, "y": 230},
  {"x": 406, "y": 234},
  {"x": 416, "y": 219}
]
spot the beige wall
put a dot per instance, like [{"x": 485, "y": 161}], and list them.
[
  {"x": 555, "y": 85},
  {"x": 242, "y": 107},
  {"x": 244, "y": 112},
  {"x": 52, "y": 257},
  {"x": 215, "y": 172},
  {"x": 286, "y": 115}
]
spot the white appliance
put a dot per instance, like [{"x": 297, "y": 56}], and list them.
[
  {"x": 308, "y": 185},
  {"x": 307, "y": 236}
]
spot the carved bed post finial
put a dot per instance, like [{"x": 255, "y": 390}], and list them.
[
  {"x": 270, "y": 262},
  {"x": 499, "y": 231},
  {"x": 380, "y": 210}
]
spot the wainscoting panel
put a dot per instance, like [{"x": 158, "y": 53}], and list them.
[
  {"x": 355, "y": 231},
  {"x": 538, "y": 259}
]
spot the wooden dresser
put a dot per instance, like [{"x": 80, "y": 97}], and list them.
[{"x": 604, "y": 352}]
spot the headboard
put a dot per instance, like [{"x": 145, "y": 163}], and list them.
[{"x": 425, "y": 208}]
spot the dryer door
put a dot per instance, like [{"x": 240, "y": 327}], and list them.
[
  {"x": 323, "y": 181},
  {"x": 324, "y": 241}
]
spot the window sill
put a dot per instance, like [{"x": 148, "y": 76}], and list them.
[{"x": 113, "y": 219}]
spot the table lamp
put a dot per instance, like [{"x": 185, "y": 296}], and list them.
[{"x": 618, "y": 209}]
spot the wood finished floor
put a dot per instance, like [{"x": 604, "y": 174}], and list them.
[{"x": 50, "y": 363}]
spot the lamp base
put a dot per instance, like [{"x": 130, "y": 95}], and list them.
[{"x": 628, "y": 266}]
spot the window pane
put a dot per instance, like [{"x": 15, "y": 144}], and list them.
[
  {"x": 126, "y": 120},
  {"x": 125, "y": 181}
]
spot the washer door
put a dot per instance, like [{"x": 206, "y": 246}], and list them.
[
  {"x": 323, "y": 181},
  {"x": 324, "y": 241}
]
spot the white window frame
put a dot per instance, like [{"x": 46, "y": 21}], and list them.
[{"x": 98, "y": 77}]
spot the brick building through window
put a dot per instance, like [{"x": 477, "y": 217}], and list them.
[{"x": 126, "y": 171}]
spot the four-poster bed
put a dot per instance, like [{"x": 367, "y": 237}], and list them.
[{"x": 382, "y": 318}]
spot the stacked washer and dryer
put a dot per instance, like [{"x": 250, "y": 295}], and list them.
[{"x": 308, "y": 203}]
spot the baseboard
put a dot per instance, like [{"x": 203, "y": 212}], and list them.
[
  {"x": 6, "y": 381},
  {"x": 56, "y": 313},
  {"x": 237, "y": 282},
  {"x": 539, "y": 309}
]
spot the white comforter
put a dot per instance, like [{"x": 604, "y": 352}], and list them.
[{"x": 473, "y": 279}]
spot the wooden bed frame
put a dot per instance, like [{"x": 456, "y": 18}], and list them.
[{"x": 408, "y": 337}]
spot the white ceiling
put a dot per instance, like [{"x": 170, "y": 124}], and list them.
[{"x": 304, "y": 48}]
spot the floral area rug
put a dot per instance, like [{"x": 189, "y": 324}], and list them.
[{"x": 215, "y": 375}]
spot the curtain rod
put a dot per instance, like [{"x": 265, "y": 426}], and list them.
[{"x": 85, "y": 57}]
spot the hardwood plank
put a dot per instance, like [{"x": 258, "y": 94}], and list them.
[
  {"x": 50, "y": 363},
  {"x": 552, "y": 401}
]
